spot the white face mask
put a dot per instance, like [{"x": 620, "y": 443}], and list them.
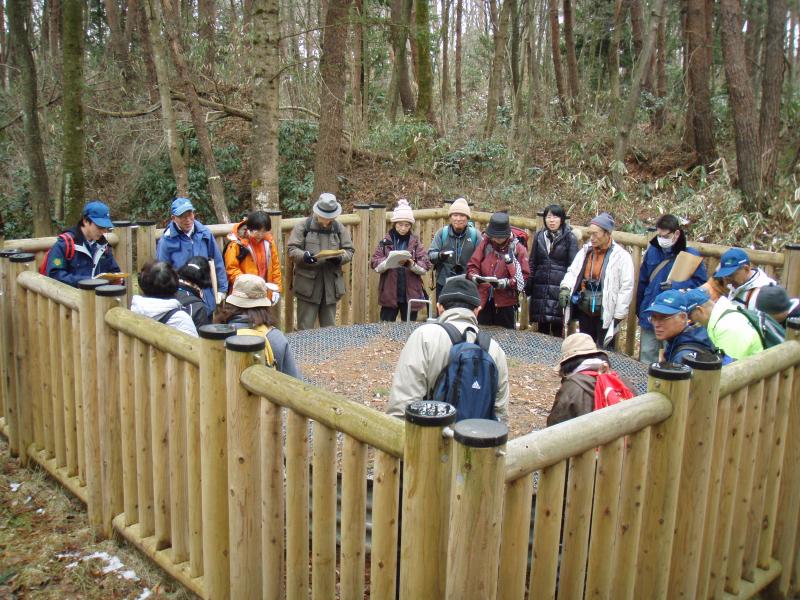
[{"x": 665, "y": 243}]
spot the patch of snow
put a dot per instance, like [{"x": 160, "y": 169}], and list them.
[
  {"x": 28, "y": 499},
  {"x": 113, "y": 564},
  {"x": 146, "y": 593},
  {"x": 15, "y": 486},
  {"x": 72, "y": 565},
  {"x": 39, "y": 511},
  {"x": 130, "y": 575}
]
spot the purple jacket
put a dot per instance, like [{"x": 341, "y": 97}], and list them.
[{"x": 387, "y": 287}]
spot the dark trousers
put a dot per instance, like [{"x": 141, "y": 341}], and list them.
[
  {"x": 594, "y": 327},
  {"x": 503, "y": 317},
  {"x": 554, "y": 328},
  {"x": 390, "y": 314}
]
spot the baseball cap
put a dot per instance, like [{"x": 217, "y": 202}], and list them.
[
  {"x": 694, "y": 298},
  {"x": 731, "y": 261},
  {"x": 180, "y": 206},
  {"x": 668, "y": 303},
  {"x": 98, "y": 213}
]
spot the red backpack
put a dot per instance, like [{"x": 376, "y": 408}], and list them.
[
  {"x": 609, "y": 389},
  {"x": 521, "y": 235},
  {"x": 69, "y": 242}
]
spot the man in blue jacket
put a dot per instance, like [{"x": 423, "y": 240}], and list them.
[
  {"x": 186, "y": 237},
  {"x": 669, "y": 316},
  {"x": 83, "y": 251},
  {"x": 656, "y": 265}
]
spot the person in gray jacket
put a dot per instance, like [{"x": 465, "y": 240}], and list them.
[
  {"x": 427, "y": 350},
  {"x": 318, "y": 282},
  {"x": 453, "y": 244}
]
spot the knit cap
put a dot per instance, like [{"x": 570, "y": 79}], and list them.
[
  {"x": 459, "y": 289},
  {"x": 461, "y": 207},
  {"x": 402, "y": 212},
  {"x": 604, "y": 221},
  {"x": 773, "y": 299}
]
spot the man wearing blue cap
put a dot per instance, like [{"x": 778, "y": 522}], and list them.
[
  {"x": 82, "y": 252},
  {"x": 186, "y": 237},
  {"x": 741, "y": 277},
  {"x": 669, "y": 317},
  {"x": 728, "y": 329}
]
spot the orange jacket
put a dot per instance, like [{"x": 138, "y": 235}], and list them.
[{"x": 259, "y": 260}]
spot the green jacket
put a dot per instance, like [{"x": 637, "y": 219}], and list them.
[{"x": 732, "y": 332}]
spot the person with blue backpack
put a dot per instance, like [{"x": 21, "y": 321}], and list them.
[
  {"x": 452, "y": 361},
  {"x": 453, "y": 245}
]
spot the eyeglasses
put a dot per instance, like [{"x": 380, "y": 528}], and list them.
[{"x": 659, "y": 318}]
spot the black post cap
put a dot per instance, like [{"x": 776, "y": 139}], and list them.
[
  {"x": 274, "y": 212},
  {"x": 793, "y": 323},
  {"x": 9, "y": 252},
  {"x": 361, "y": 206},
  {"x": 480, "y": 433},
  {"x": 245, "y": 343},
  {"x": 377, "y": 205},
  {"x": 91, "y": 284},
  {"x": 669, "y": 371},
  {"x": 122, "y": 223},
  {"x": 791, "y": 246},
  {"x": 110, "y": 291},
  {"x": 215, "y": 332},
  {"x": 429, "y": 413},
  {"x": 704, "y": 361},
  {"x": 22, "y": 257},
  {"x": 145, "y": 223}
]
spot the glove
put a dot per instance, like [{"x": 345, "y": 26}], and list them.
[
  {"x": 665, "y": 285},
  {"x": 563, "y": 297},
  {"x": 276, "y": 296},
  {"x": 220, "y": 297},
  {"x": 446, "y": 255},
  {"x": 308, "y": 258},
  {"x": 335, "y": 261},
  {"x": 503, "y": 284},
  {"x": 508, "y": 259}
]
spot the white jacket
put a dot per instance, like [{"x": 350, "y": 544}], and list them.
[
  {"x": 426, "y": 353},
  {"x": 746, "y": 294},
  {"x": 617, "y": 285},
  {"x": 155, "y": 308}
]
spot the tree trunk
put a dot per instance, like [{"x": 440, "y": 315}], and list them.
[
  {"x": 72, "y": 85},
  {"x": 534, "y": 110},
  {"x": 215, "y": 187},
  {"x": 628, "y": 114},
  {"x": 55, "y": 33},
  {"x": 752, "y": 42},
  {"x": 445, "y": 31},
  {"x": 660, "y": 114},
  {"x": 18, "y": 11},
  {"x": 572, "y": 62},
  {"x": 498, "y": 61},
  {"x": 4, "y": 54},
  {"x": 459, "y": 89},
  {"x": 400, "y": 86},
  {"x": 357, "y": 79},
  {"x": 332, "y": 68},
  {"x": 147, "y": 50},
  {"x": 699, "y": 71},
  {"x": 207, "y": 12},
  {"x": 742, "y": 99},
  {"x": 118, "y": 49},
  {"x": 514, "y": 22},
  {"x": 771, "y": 87},
  {"x": 422, "y": 34},
  {"x": 159, "y": 53},
  {"x": 612, "y": 58},
  {"x": 266, "y": 83},
  {"x": 555, "y": 43},
  {"x": 637, "y": 27}
]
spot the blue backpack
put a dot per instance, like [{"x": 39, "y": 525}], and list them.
[{"x": 470, "y": 380}]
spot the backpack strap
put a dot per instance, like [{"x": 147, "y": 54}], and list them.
[
  {"x": 168, "y": 315},
  {"x": 658, "y": 269},
  {"x": 456, "y": 337},
  {"x": 69, "y": 242}
]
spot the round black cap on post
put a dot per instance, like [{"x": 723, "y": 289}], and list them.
[
  {"x": 793, "y": 323},
  {"x": 215, "y": 332},
  {"x": 122, "y": 223},
  {"x": 428, "y": 413},
  {"x": 669, "y": 371},
  {"x": 91, "y": 284},
  {"x": 9, "y": 252},
  {"x": 480, "y": 433},
  {"x": 792, "y": 246},
  {"x": 377, "y": 205},
  {"x": 704, "y": 361},
  {"x": 23, "y": 257},
  {"x": 145, "y": 223},
  {"x": 361, "y": 206},
  {"x": 274, "y": 212},
  {"x": 245, "y": 343},
  {"x": 110, "y": 291}
]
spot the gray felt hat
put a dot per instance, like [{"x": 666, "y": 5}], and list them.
[{"x": 327, "y": 206}]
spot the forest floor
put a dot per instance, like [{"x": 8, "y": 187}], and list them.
[{"x": 47, "y": 549}]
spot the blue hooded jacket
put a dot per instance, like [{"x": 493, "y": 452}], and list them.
[
  {"x": 687, "y": 343},
  {"x": 82, "y": 265},
  {"x": 647, "y": 290},
  {"x": 176, "y": 248}
]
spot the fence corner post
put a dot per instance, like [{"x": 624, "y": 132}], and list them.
[
  {"x": 426, "y": 495},
  {"x": 695, "y": 474},
  {"x": 8, "y": 374},
  {"x": 123, "y": 252},
  {"x": 361, "y": 266},
  {"x": 663, "y": 480},
  {"x": 145, "y": 243},
  {"x": 791, "y": 269},
  {"x": 214, "y": 460},
  {"x": 476, "y": 509},
  {"x": 377, "y": 231},
  {"x": 21, "y": 335}
]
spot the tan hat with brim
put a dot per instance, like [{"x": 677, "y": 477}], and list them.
[
  {"x": 249, "y": 291},
  {"x": 578, "y": 344}
]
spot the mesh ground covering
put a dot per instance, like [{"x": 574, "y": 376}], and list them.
[{"x": 316, "y": 345}]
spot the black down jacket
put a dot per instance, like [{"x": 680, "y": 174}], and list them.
[{"x": 547, "y": 271}]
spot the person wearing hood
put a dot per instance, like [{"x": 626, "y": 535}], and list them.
[
  {"x": 186, "y": 237},
  {"x": 251, "y": 249},
  {"x": 775, "y": 301},
  {"x": 453, "y": 245},
  {"x": 82, "y": 252},
  {"x": 553, "y": 250},
  {"x": 501, "y": 257},
  {"x": 193, "y": 278},
  {"x": 659, "y": 257},
  {"x": 599, "y": 283},
  {"x": 400, "y": 284},
  {"x": 744, "y": 280},
  {"x": 159, "y": 284}
]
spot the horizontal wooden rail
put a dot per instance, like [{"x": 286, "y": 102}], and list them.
[
  {"x": 45, "y": 243},
  {"x": 356, "y": 420},
  {"x": 58, "y": 292},
  {"x": 760, "y": 366},
  {"x": 544, "y": 448},
  {"x": 166, "y": 339}
]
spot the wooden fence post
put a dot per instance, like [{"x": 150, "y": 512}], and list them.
[
  {"x": 633, "y": 318},
  {"x": 377, "y": 231},
  {"x": 663, "y": 479},
  {"x": 360, "y": 267},
  {"x": 108, "y": 367},
  {"x": 791, "y": 269},
  {"x": 145, "y": 242},
  {"x": 244, "y": 470},
  {"x": 20, "y": 334},
  {"x": 88, "y": 413},
  {"x": 695, "y": 474},
  {"x": 123, "y": 253},
  {"x": 214, "y": 461},
  {"x": 426, "y": 495},
  {"x": 8, "y": 374},
  {"x": 476, "y": 509}
]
